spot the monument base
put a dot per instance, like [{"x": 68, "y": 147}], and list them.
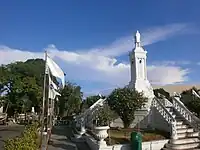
[{"x": 142, "y": 120}]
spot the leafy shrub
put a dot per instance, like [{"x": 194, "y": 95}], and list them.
[
  {"x": 27, "y": 141},
  {"x": 104, "y": 115}
]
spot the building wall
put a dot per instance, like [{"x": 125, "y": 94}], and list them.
[{"x": 158, "y": 122}]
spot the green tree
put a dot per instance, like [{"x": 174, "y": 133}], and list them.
[
  {"x": 104, "y": 115},
  {"x": 19, "y": 79},
  {"x": 191, "y": 101},
  {"x": 26, "y": 78},
  {"x": 125, "y": 101},
  {"x": 90, "y": 100},
  {"x": 70, "y": 100},
  {"x": 161, "y": 91}
]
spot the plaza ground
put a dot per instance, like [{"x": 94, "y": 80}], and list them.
[
  {"x": 7, "y": 132},
  {"x": 60, "y": 140}
]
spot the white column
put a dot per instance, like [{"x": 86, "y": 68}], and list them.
[
  {"x": 173, "y": 131},
  {"x": 145, "y": 74},
  {"x": 82, "y": 125},
  {"x": 1, "y": 109}
]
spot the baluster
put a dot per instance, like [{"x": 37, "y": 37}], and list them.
[
  {"x": 183, "y": 114},
  {"x": 190, "y": 118},
  {"x": 186, "y": 116},
  {"x": 181, "y": 111}
]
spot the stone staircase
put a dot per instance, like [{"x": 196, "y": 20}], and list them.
[{"x": 187, "y": 138}]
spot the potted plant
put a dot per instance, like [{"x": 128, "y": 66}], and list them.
[{"x": 103, "y": 118}]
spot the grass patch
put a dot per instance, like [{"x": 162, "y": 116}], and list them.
[{"x": 122, "y": 136}]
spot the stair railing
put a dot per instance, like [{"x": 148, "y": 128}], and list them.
[
  {"x": 164, "y": 100},
  {"x": 184, "y": 112},
  {"x": 83, "y": 118},
  {"x": 166, "y": 115}
]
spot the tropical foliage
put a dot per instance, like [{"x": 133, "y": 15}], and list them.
[
  {"x": 29, "y": 140},
  {"x": 90, "y": 100},
  {"x": 70, "y": 100},
  {"x": 191, "y": 101},
  {"x": 125, "y": 101},
  {"x": 21, "y": 83},
  {"x": 104, "y": 116},
  {"x": 161, "y": 91},
  {"x": 21, "y": 87}
]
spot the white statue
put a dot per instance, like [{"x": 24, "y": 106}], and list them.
[
  {"x": 137, "y": 37},
  {"x": 33, "y": 110}
]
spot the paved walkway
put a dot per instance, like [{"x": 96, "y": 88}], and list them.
[
  {"x": 60, "y": 140},
  {"x": 9, "y": 131}
]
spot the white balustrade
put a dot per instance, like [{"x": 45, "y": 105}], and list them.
[
  {"x": 184, "y": 112},
  {"x": 82, "y": 119},
  {"x": 166, "y": 115}
]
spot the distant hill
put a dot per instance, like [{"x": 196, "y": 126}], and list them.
[
  {"x": 177, "y": 87},
  {"x": 169, "y": 88}
]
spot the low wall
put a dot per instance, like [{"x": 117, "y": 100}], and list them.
[{"x": 152, "y": 145}]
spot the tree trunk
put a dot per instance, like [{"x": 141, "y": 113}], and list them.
[{"x": 126, "y": 125}]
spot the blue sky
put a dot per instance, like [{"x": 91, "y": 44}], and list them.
[{"x": 90, "y": 39}]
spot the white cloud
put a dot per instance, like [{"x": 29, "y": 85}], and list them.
[
  {"x": 167, "y": 74},
  {"x": 157, "y": 34},
  {"x": 171, "y": 62},
  {"x": 96, "y": 68},
  {"x": 149, "y": 36},
  {"x": 97, "y": 65}
]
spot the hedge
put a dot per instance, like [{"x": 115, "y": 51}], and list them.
[{"x": 29, "y": 140}]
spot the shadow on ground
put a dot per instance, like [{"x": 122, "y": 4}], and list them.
[
  {"x": 63, "y": 146},
  {"x": 62, "y": 130}
]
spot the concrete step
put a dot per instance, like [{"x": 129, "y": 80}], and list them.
[
  {"x": 183, "y": 135},
  {"x": 185, "y": 130},
  {"x": 183, "y": 126},
  {"x": 179, "y": 122},
  {"x": 179, "y": 118},
  {"x": 184, "y": 140},
  {"x": 187, "y": 149},
  {"x": 182, "y": 146}
]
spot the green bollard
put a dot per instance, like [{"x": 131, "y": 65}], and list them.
[{"x": 136, "y": 141}]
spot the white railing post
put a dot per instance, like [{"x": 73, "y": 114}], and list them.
[
  {"x": 82, "y": 125},
  {"x": 173, "y": 130}
]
